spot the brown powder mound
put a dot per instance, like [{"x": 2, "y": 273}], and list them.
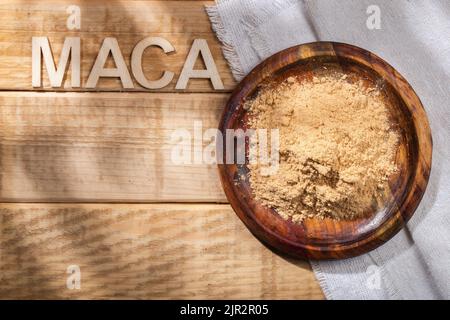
[{"x": 337, "y": 148}]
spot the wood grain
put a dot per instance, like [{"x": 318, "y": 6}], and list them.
[
  {"x": 141, "y": 251},
  {"x": 180, "y": 22},
  {"x": 95, "y": 147},
  {"x": 111, "y": 147}
]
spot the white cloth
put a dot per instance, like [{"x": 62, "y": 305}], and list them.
[{"x": 415, "y": 39}]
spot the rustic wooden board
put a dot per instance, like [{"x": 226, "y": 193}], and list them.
[
  {"x": 180, "y": 22},
  {"x": 110, "y": 147},
  {"x": 103, "y": 147},
  {"x": 141, "y": 251}
]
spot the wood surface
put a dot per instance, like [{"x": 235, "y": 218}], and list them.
[
  {"x": 96, "y": 147},
  {"x": 141, "y": 251},
  {"x": 179, "y": 22},
  {"x": 329, "y": 238},
  {"x": 109, "y": 147}
]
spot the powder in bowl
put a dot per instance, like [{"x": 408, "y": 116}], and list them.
[{"x": 337, "y": 147}]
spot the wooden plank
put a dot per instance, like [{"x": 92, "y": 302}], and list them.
[
  {"x": 180, "y": 22},
  {"x": 103, "y": 147},
  {"x": 141, "y": 251}
]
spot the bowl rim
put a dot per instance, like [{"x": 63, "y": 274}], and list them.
[{"x": 397, "y": 219}]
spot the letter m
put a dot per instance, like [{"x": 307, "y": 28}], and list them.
[{"x": 55, "y": 75}]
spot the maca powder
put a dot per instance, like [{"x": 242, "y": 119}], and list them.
[{"x": 337, "y": 147}]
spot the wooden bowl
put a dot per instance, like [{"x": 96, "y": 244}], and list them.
[{"x": 327, "y": 238}]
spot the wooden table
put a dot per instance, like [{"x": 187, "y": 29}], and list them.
[{"x": 86, "y": 177}]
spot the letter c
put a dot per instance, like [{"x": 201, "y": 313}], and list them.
[{"x": 136, "y": 62}]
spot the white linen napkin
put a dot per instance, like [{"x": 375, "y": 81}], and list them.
[{"x": 414, "y": 37}]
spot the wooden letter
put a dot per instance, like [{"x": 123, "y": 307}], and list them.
[
  {"x": 199, "y": 46},
  {"x": 71, "y": 46},
  {"x": 98, "y": 70},
  {"x": 136, "y": 62}
]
